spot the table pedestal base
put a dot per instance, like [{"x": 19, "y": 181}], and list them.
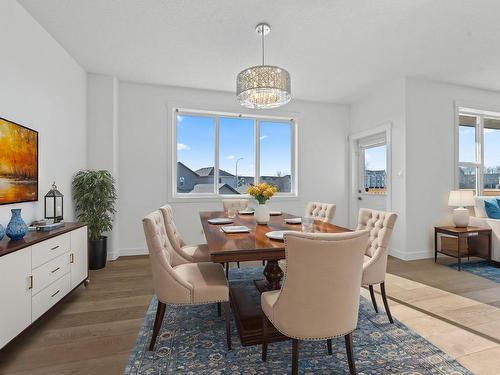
[{"x": 248, "y": 317}]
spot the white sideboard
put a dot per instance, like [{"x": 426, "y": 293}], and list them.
[{"x": 37, "y": 272}]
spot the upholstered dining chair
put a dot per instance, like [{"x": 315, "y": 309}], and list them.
[
  {"x": 319, "y": 299},
  {"x": 183, "y": 253},
  {"x": 183, "y": 284},
  {"x": 380, "y": 224},
  {"x": 320, "y": 211},
  {"x": 238, "y": 204}
]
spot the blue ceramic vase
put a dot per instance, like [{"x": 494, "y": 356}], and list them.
[
  {"x": 2, "y": 231},
  {"x": 17, "y": 228}
]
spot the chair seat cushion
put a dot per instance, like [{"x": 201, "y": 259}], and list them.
[
  {"x": 196, "y": 253},
  {"x": 282, "y": 264},
  {"x": 207, "y": 279},
  {"x": 267, "y": 301}
]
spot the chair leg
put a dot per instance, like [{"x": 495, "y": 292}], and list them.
[
  {"x": 386, "y": 305},
  {"x": 227, "y": 271},
  {"x": 238, "y": 263},
  {"x": 329, "y": 346},
  {"x": 374, "y": 301},
  {"x": 263, "y": 262},
  {"x": 227, "y": 318},
  {"x": 160, "y": 313},
  {"x": 264, "y": 337},
  {"x": 295, "y": 357},
  {"x": 218, "y": 309},
  {"x": 350, "y": 355}
]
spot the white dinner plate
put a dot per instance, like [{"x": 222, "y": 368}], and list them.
[
  {"x": 235, "y": 229},
  {"x": 246, "y": 212},
  {"x": 277, "y": 234},
  {"x": 275, "y": 213},
  {"x": 220, "y": 220},
  {"x": 293, "y": 220}
]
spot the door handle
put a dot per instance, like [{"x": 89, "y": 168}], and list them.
[{"x": 360, "y": 199}]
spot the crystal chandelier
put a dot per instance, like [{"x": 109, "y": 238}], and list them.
[{"x": 263, "y": 86}]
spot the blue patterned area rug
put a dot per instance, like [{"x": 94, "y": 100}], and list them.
[
  {"x": 484, "y": 269},
  {"x": 192, "y": 341}
]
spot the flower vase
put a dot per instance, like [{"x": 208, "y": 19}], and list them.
[
  {"x": 2, "y": 231},
  {"x": 17, "y": 228},
  {"x": 262, "y": 214}
]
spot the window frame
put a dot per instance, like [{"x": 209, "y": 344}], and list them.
[
  {"x": 216, "y": 115},
  {"x": 478, "y": 164},
  {"x": 375, "y": 141}
]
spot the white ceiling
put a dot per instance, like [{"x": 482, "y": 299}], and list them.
[{"x": 335, "y": 50}]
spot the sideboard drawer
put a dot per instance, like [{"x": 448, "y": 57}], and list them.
[
  {"x": 49, "y": 249},
  {"x": 49, "y": 272},
  {"x": 49, "y": 296}
]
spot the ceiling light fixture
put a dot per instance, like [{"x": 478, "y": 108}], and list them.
[{"x": 263, "y": 86}]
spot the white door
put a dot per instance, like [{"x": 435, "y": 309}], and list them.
[
  {"x": 78, "y": 256},
  {"x": 15, "y": 294},
  {"x": 370, "y": 172}
]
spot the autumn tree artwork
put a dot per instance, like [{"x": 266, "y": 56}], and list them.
[{"x": 18, "y": 163}]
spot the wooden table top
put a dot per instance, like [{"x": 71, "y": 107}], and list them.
[
  {"x": 8, "y": 246},
  {"x": 253, "y": 245},
  {"x": 460, "y": 230}
]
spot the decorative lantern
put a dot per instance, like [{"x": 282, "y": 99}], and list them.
[{"x": 54, "y": 204}]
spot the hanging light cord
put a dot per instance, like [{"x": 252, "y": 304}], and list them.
[{"x": 262, "y": 34}]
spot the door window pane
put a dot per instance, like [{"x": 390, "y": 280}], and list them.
[
  {"x": 491, "y": 178},
  {"x": 467, "y": 138},
  {"x": 276, "y": 154},
  {"x": 375, "y": 169},
  {"x": 467, "y": 177},
  {"x": 236, "y": 155},
  {"x": 195, "y": 154}
]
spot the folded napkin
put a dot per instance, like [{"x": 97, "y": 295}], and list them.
[{"x": 234, "y": 229}]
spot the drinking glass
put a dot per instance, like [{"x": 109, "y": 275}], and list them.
[
  {"x": 307, "y": 224},
  {"x": 231, "y": 212}
]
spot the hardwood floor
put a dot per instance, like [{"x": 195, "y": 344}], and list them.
[
  {"x": 93, "y": 330},
  {"x": 90, "y": 332}
]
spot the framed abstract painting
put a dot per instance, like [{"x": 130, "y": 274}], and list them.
[{"x": 18, "y": 163}]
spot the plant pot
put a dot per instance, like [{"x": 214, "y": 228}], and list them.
[
  {"x": 98, "y": 253},
  {"x": 262, "y": 214}
]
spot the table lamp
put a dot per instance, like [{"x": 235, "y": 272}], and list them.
[{"x": 461, "y": 199}]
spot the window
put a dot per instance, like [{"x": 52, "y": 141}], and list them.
[
  {"x": 374, "y": 168},
  {"x": 479, "y": 151},
  {"x": 234, "y": 150}
]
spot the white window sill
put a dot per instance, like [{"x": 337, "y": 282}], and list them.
[{"x": 187, "y": 198}]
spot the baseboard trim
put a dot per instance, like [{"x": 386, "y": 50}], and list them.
[
  {"x": 415, "y": 255},
  {"x": 133, "y": 251}
]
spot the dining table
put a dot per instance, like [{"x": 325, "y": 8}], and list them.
[{"x": 254, "y": 245}]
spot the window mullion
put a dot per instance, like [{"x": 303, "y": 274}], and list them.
[
  {"x": 257, "y": 151},
  {"x": 480, "y": 146},
  {"x": 216, "y": 156}
]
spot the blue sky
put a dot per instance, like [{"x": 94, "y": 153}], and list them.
[
  {"x": 467, "y": 139},
  {"x": 375, "y": 158},
  {"x": 196, "y": 138}
]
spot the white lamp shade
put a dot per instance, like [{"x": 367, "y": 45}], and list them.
[{"x": 461, "y": 198}]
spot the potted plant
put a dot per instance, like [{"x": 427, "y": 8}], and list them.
[
  {"x": 94, "y": 194},
  {"x": 262, "y": 193}
]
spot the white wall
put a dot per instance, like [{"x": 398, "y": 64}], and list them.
[
  {"x": 430, "y": 121},
  {"x": 43, "y": 88},
  {"x": 387, "y": 105},
  {"x": 144, "y": 157}
]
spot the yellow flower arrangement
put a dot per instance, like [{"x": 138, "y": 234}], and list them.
[{"x": 262, "y": 192}]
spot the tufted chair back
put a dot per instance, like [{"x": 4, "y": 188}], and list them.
[
  {"x": 173, "y": 234},
  {"x": 168, "y": 285},
  {"x": 320, "y": 307},
  {"x": 239, "y": 204},
  {"x": 320, "y": 211},
  {"x": 380, "y": 225}
]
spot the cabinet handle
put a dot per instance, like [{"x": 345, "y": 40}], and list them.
[
  {"x": 30, "y": 282},
  {"x": 72, "y": 258},
  {"x": 53, "y": 295},
  {"x": 55, "y": 247},
  {"x": 57, "y": 269}
]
